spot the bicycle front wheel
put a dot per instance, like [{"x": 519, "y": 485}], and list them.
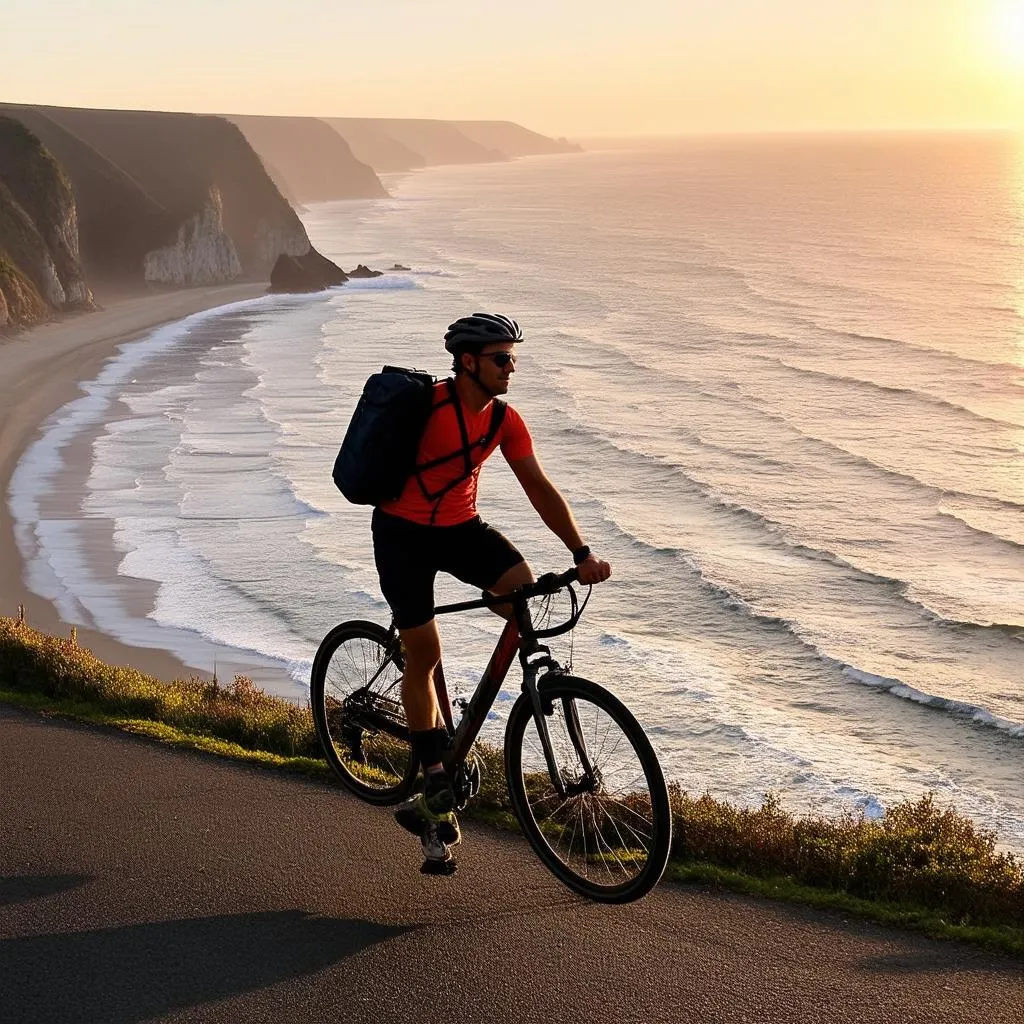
[
  {"x": 608, "y": 835},
  {"x": 355, "y": 693}
]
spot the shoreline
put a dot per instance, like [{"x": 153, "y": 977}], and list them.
[{"x": 42, "y": 369}]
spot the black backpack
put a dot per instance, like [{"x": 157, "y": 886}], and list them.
[{"x": 379, "y": 452}]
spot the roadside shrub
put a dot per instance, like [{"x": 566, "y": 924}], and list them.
[
  {"x": 240, "y": 712},
  {"x": 918, "y": 853}
]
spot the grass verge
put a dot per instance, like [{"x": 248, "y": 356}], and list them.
[
  {"x": 1007, "y": 939},
  {"x": 919, "y": 867}
]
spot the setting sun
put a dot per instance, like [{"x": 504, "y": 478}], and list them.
[{"x": 1007, "y": 28}]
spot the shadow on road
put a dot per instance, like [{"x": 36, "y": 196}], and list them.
[
  {"x": 134, "y": 973},
  {"x": 20, "y": 888},
  {"x": 940, "y": 959}
]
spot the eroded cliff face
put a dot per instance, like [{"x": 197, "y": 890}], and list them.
[
  {"x": 202, "y": 253},
  {"x": 21, "y": 305},
  {"x": 40, "y": 267},
  {"x": 26, "y": 250},
  {"x": 61, "y": 234}
]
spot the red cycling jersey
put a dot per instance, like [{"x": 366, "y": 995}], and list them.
[{"x": 442, "y": 437}]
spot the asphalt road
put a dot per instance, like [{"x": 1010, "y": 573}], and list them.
[{"x": 139, "y": 883}]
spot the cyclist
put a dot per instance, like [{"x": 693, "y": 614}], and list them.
[{"x": 434, "y": 526}]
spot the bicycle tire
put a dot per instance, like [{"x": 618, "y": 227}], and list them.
[
  {"x": 375, "y": 765},
  {"x": 630, "y": 832}
]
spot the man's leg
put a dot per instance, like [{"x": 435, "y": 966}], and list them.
[
  {"x": 428, "y": 814},
  {"x": 518, "y": 576},
  {"x": 474, "y": 554},
  {"x": 406, "y": 561},
  {"x": 422, "y": 646}
]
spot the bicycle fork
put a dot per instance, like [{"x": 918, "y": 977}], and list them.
[{"x": 533, "y": 659}]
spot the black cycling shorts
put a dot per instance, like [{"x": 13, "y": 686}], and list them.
[{"x": 409, "y": 556}]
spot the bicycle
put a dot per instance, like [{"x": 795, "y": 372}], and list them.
[{"x": 583, "y": 779}]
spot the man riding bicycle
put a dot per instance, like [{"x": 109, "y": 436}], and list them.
[{"x": 434, "y": 526}]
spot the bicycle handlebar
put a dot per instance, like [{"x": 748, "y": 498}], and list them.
[{"x": 549, "y": 583}]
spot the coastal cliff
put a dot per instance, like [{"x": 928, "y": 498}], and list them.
[
  {"x": 404, "y": 144},
  {"x": 308, "y": 159},
  {"x": 435, "y": 142},
  {"x": 513, "y": 139},
  {"x": 372, "y": 144},
  {"x": 40, "y": 269},
  {"x": 144, "y": 198},
  {"x": 167, "y": 199}
]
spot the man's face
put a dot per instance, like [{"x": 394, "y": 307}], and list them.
[{"x": 495, "y": 365}]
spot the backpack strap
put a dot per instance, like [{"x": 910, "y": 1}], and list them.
[
  {"x": 498, "y": 410},
  {"x": 467, "y": 448}
]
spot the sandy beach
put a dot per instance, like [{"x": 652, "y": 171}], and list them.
[{"x": 40, "y": 371}]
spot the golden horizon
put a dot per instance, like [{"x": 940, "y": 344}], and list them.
[{"x": 656, "y": 70}]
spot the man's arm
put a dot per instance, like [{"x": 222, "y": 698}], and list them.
[{"x": 553, "y": 510}]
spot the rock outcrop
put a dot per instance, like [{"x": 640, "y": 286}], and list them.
[
  {"x": 363, "y": 271},
  {"x": 311, "y": 160},
  {"x": 40, "y": 269},
  {"x": 309, "y": 273},
  {"x": 167, "y": 198}
]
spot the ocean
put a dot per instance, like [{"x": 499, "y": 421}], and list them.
[{"x": 780, "y": 381}]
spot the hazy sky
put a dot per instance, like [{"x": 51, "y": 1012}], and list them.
[{"x": 565, "y": 67}]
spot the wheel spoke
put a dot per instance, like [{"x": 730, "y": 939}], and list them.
[
  {"x": 636, "y": 835},
  {"x": 602, "y": 859}
]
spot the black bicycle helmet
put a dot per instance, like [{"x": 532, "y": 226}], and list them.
[{"x": 481, "y": 329}]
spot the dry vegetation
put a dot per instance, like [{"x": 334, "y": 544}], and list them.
[
  {"x": 919, "y": 855},
  {"x": 239, "y": 713}
]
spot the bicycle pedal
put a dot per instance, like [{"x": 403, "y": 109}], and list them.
[{"x": 432, "y": 866}]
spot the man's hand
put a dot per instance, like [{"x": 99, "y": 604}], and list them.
[{"x": 593, "y": 570}]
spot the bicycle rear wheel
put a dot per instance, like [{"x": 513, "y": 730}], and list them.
[
  {"x": 355, "y": 692},
  {"x": 608, "y": 837}
]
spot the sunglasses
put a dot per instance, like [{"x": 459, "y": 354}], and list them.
[{"x": 500, "y": 359}]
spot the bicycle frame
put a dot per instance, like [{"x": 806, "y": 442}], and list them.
[{"x": 517, "y": 636}]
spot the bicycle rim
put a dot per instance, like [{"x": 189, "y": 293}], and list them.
[
  {"x": 609, "y": 836},
  {"x": 355, "y": 691}
]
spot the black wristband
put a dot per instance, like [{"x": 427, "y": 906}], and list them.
[{"x": 580, "y": 555}]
